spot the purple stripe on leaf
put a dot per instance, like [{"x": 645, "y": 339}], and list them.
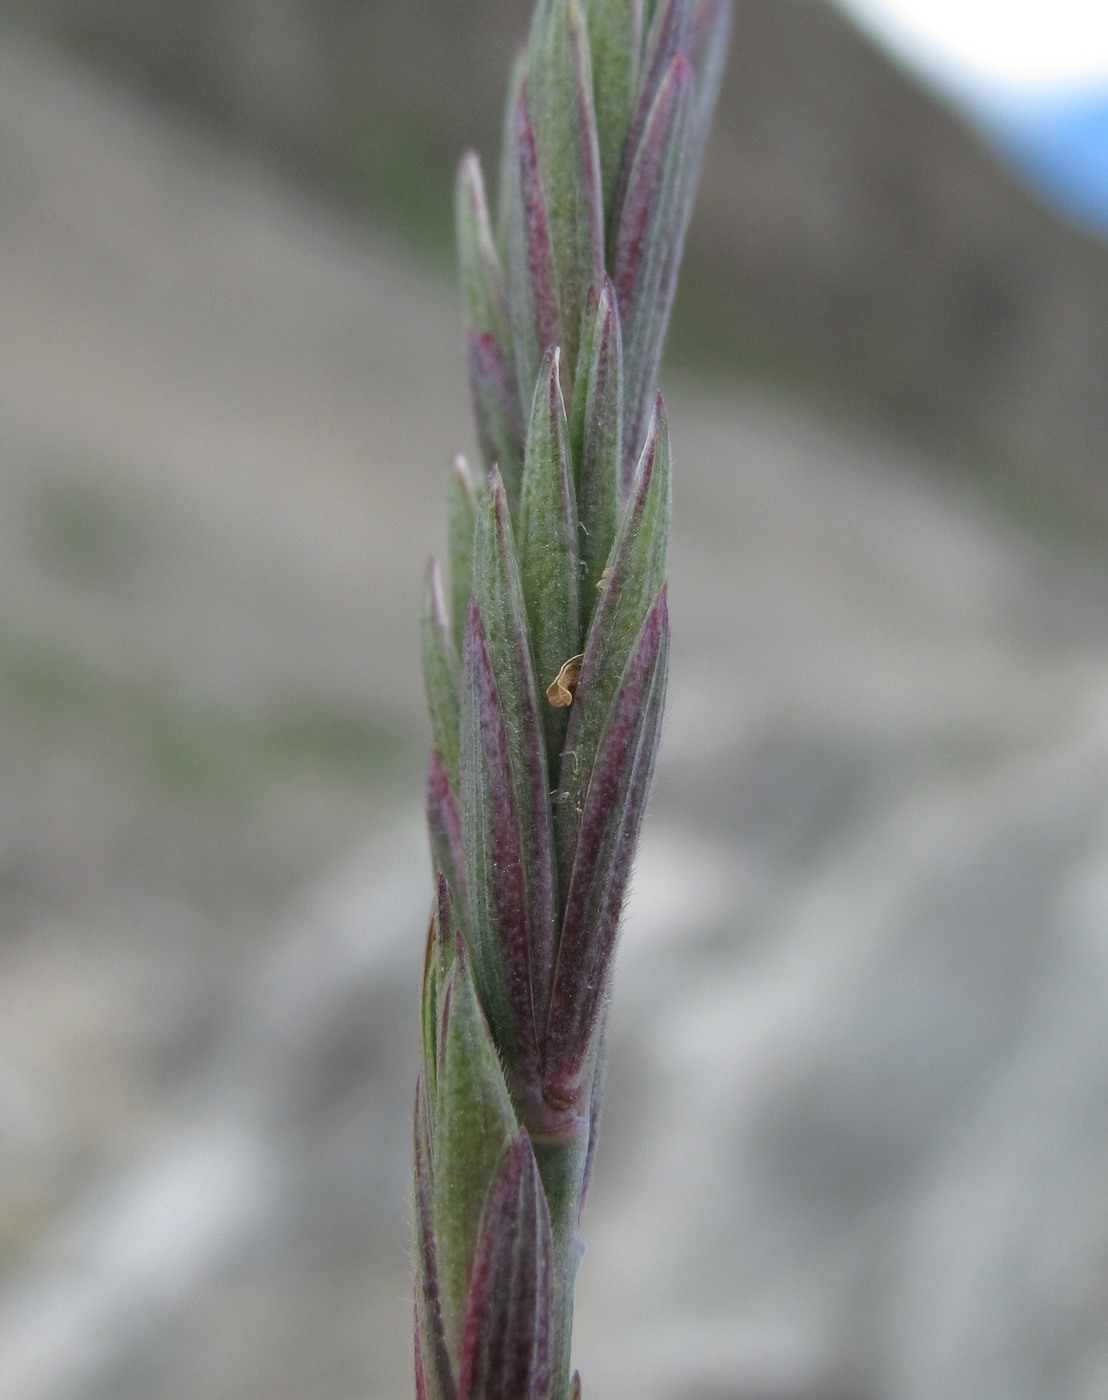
[
  {"x": 654, "y": 167},
  {"x": 635, "y": 574},
  {"x": 651, "y": 230},
  {"x": 496, "y": 409},
  {"x": 667, "y": 36},
  {"x": 435, "y": 1379},
  {"x": 609, "y": 829},
  {"x": 473, "y": 1124},
  {"x": 506, "y": 1334},
  {"x": 503, "y": 613},
  {"x": 444, "y": 823},
  {"x": 536, "y": 319},
  {"x": 559, "y": 98},
  {"x": 708, "y": 34},
  {"x": 499, "y": 935},
  {"x": 420, "y": 1380}
]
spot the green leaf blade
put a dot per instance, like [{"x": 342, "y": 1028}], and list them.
[
  {"x": 648, "y": 245},
  {"x": 548, "y": 544},
  {"x": 499, "y": 932},
  {"x": 560, "y": 102},
  {"x": 596, "y": 432},
  {"x": 636, "y": 572},
  {"x": 473, "y": 1124},
  {"x": 615, "y": 40},
  {"x": 498, "y": 589},
  {"x": 461, "y": 525}
]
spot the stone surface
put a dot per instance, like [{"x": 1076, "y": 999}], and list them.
[
  {"x": 857, "y": 1118},
  {"x": 852, "y": 234}
]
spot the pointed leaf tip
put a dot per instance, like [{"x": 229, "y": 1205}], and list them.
[
  {"x": 482, "y": 277},
  {"x": 440, "y": 674}
]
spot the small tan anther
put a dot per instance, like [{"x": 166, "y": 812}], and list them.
[{"x": 561, "y": 689}]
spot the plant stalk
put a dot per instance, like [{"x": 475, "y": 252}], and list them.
[{"x": 562, "y": 1169}]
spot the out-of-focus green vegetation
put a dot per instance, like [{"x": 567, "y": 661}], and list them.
[
  {"x": 202, "y": 753},
  {"x": 408, "y": 181}
]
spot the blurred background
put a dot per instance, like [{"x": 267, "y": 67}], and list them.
[{"x": 856, "y": 1135}]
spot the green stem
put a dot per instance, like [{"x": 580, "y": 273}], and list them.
[{"x": 562, "y": 1167}]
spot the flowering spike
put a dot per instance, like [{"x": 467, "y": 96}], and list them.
[
  {"x": 506, "y": 1334},
  {"x": 548, "y": 543},
  {"x": 548, "y": 659}
]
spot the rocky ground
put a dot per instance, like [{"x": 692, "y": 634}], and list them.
[{"x": 857, "y": 1130}]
